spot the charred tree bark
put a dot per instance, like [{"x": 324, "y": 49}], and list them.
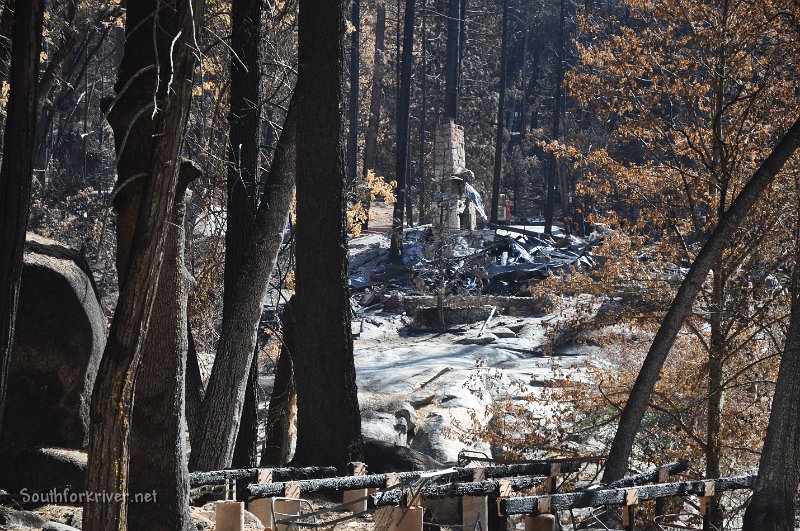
[
  {"x": 194, "y": 390},
  {"x": 772, "y": 507},
  {"x": 452, "y": 58},
  {"x": 158, "y": 427},
  {"x": 376, "y": 98},
  {"x": 283, "y": 403},
  {"x": 559, "y": 79},
  {"x": 228, "y": 382},
  {"x": 244, "y": 138},
  {"x": 17, "y": 169},
  {"x": 6, "y": 27},
  {"x": 352, "y": 131},
  {"x": 245, "y": 453},
  {"x": 329, "y": 423},
  {"x": 682, "y": 304},
  {"x": 501, "y": 113},
  {"x": 423, "y": 114},
  {"x": 403, "y": 137},
  {"x": 149, "y": 122}
]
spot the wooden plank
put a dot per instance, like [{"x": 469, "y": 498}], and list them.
[{"x": 600, "y": 497}]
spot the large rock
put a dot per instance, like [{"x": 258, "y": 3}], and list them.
[
  {"x": 58, "y": 342},
  {"x": 13, "y": 519},
  {"x": 45, "y": 468}
]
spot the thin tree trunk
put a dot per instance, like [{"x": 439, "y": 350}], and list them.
[
  {"x": 501, "y": 113},
  {"x": 559, "y": 80},
  {"x": 682, "y": 304},
  {"x": 423, "y": 115},
  {"x": 228, "y": 382},
  {"x": 713, "y": 449},
  {"x": 6, "y": 27},
  {"x": 245, "y": 451},
  {"x": 157, "y": 141},
  {"x": 452, "y": 60},
  {"x": 329, "y": 422},
  {"x": 195, "y": 390},
  {"x": 371, "y": 137},
  {"x": 283, "y": 403},
  {"x": 352, "y": 132},
  {"x": 17, "y": 170},
  {"x": 403, "y": 144}
]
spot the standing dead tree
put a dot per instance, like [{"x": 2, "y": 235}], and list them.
[{"x": 16, "y": 172}]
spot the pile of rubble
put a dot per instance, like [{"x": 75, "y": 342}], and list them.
[{"x": 503, "y": 261}]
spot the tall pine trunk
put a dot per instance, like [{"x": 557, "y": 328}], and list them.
[
  {"x": 243, "y": 160},
  {"x": 329, "y": 423},
  {"x": 423, "y": 114},
  {"x": 17, "y": 170},
  {"x": 559, "y": 81},
  {"x": 376, "y": 97},
  {"x": 501, "y": 113},
  {"x": 352, "y": 110},
  {"x": 403, "y": 137}
]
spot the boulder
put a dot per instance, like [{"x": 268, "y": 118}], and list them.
[
  {"x": 485, "y": 339},
  {"x": 381, "y": 427},
  {"x": 57, "y": 526},
  {"x": 432, "y": 436},
  {"x": 13, "y": 519},
  {"x": 59, "y": 340},
  {"x": 382, "y": 457},
  {"x": 43, "y": 468}
]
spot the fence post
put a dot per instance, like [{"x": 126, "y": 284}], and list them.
[
  {"x": 262, "y": 507},
  {"x": 349, "y": 496},
  {"x": 705, "y": 503},
  {"x": 475, "y": 507},
  {"x": 555, "y": 471},
  {"x": 628, "y": 511},
  {"x": 663, "y": 477},
  {"x": 497, "y": 520}
]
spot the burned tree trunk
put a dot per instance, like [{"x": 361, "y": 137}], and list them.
[
  {"x": 243, "y": 158},
  {"x": 452, "y": 58},
  {"x": 283, "y": 404},
  {"x": 552, "y": 169},
  {"x": 403, "y": 144},
  {"x": 371, "y": 137},
  {"x": 329, "y": 423},
  {"x": 158, "y": 424},
  {"x": 423, "y": 115},
  {"x": 245, "y": 452},
  {"x": 17, "y": 170},
  {"x": 228, "y": 382},
  {"x": 149, "y": 122},
  {"x": 352, "y": 111},
  {"x": 501, "y": 113}
]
